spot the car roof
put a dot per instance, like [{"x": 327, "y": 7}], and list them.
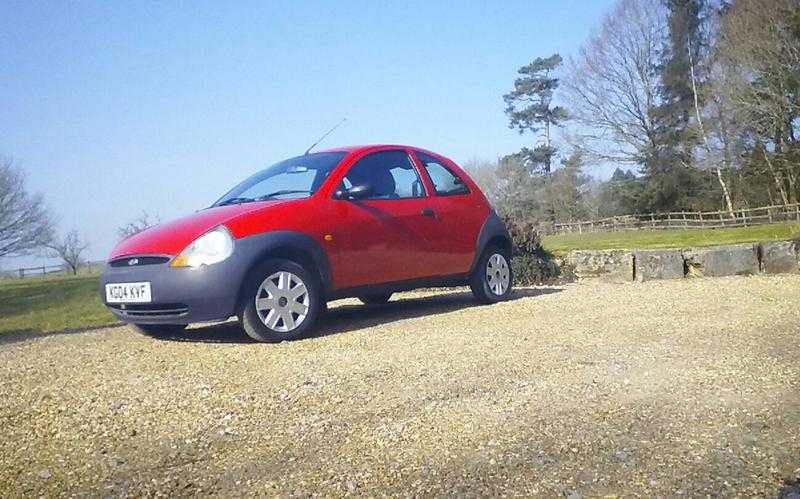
[{"x": 365, "y": 147}]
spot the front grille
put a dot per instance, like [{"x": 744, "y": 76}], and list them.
[
  {"x": 136, "y": 261},
  {"x": 150, "y": 309}
]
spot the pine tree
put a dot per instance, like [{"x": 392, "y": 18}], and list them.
[
  {"x": 529, "y": 108},
  {"x": 669, "y": 183}
]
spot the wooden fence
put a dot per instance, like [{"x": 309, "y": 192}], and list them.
[
  {"x": 685, "y": 220},
  {"x": 40, "y": 270}
]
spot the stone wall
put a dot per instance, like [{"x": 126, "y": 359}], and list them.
[{"x": 644, "y": 265}]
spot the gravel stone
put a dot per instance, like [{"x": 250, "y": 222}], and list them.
[{"x": 654, "y": 389}]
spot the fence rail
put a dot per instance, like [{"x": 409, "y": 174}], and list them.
[
  {"x": 685, "y": 220},
  {"x": 40, "y": 270}
]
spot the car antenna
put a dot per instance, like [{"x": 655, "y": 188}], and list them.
[{"x": 325, "y": 135}]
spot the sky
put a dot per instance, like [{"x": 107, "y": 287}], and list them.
[{"x": 111, "y": 108}]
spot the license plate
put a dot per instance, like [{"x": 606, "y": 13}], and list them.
[{"x": 128, "y": 292}]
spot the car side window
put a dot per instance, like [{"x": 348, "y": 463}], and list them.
[
  {"x": 445, "y": 182},
  {"x": 390, "y": 175}
]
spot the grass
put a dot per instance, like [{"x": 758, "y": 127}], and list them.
[
  {"x": 640, "y": 239},
  {"x": 47, "y": 304}
]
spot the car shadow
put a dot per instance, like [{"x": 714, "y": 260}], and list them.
[
  {"x": 22, "y": 335},
  {"x": 344, "y": 318}
]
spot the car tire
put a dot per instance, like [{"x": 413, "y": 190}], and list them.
[
  {"x": 493, "y": 278},
  {"x": 375, "y": 299},
  {"x": 280, "y": 302},
  {"x": 159, "y": 329}
]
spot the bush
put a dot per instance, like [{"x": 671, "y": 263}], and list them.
[{"x": 532, "y": 264}]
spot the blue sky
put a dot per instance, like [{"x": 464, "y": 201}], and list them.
[{"x": 115, "y": 107}]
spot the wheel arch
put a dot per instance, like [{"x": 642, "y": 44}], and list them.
[
  {"x": 289, "y": 245},
  {"x": 493, "y": 232}
]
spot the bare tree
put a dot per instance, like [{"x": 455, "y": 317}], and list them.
[
  {"x": 24, "y": 220},
  {"x": 761, "y": 51},
  {"x": 613, "y": 86},
  {"x": 144, "y": 221},
  {"x": 69, "y": 250}
]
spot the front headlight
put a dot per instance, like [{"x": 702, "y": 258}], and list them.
[{"x": 212, "y": 247}]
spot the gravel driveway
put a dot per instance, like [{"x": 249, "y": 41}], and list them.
[{"x": 688, "y": 387}]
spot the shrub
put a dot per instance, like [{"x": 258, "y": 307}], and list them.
[{"x": 532, "y": 264}]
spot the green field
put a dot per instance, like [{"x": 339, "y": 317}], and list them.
[
  {"x": 47, "y": 304},
  {"x": 639, "y": 239}
]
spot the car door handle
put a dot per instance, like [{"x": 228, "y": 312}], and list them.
[{"x": 428, "y": 212}]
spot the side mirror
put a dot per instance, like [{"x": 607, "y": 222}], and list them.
[{"x": 354, "y": 193}]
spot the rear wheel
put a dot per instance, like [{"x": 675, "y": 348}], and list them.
[
  {"x": 159, "y": 329},
  {"x": 493, "y": 278},
  {"x": 375, "y": 299},
  {"x": 281, "y": 302}
]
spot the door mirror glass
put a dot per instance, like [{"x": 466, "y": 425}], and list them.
[{"x": 360, "y": 191}]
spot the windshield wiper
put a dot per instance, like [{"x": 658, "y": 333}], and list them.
[
  {"x": 235, "y": 201},
  {"x": 282, "y": 192}
]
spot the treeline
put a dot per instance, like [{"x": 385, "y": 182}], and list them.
[{"x": 695, "y": 102}]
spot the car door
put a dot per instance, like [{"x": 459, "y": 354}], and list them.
[
  {"x": 385, "y": 236},
  {"x": 460, "y": 212}
]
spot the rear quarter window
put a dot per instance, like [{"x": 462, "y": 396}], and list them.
[{"x": 445, "y": 182}]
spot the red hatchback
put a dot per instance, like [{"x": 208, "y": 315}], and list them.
[{"x": 348, "y": 222}]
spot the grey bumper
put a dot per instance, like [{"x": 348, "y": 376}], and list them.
[
  {"x": 179, "y": 295},
  {"x": 209, "y": 293}
]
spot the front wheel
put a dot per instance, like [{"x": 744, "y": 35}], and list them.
[
  {"x": 493, "y": 277},
  {"x": 281, "y": 302}
]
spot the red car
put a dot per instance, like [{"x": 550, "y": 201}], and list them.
[{"x": 360, "y": 222}]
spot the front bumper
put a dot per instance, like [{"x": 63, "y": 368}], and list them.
[
  {"x": 179, "y": 295},
  {"x": 208, "y": 293}
]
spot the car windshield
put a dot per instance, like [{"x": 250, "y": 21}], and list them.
[{"x": 291, "y": 178}]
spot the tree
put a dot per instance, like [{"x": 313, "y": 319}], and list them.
[
  {"x": 685, "y": 43},
  {"x": 516, "y": 190},
  {"x": 760, "y": 47},
  {"x": 612, "y": 84},
  {"x": 25, "y": 223},
  {"x": 144, "y": 221},
  {"x": 717, "y": 165},
  {"x": 529, "y": 108},
  {"x": 69, "y": 250},
  {"x": 620, "y": 195},
  {"x": 564, "y": 190},
  {"x": 484, "y": 173}
]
